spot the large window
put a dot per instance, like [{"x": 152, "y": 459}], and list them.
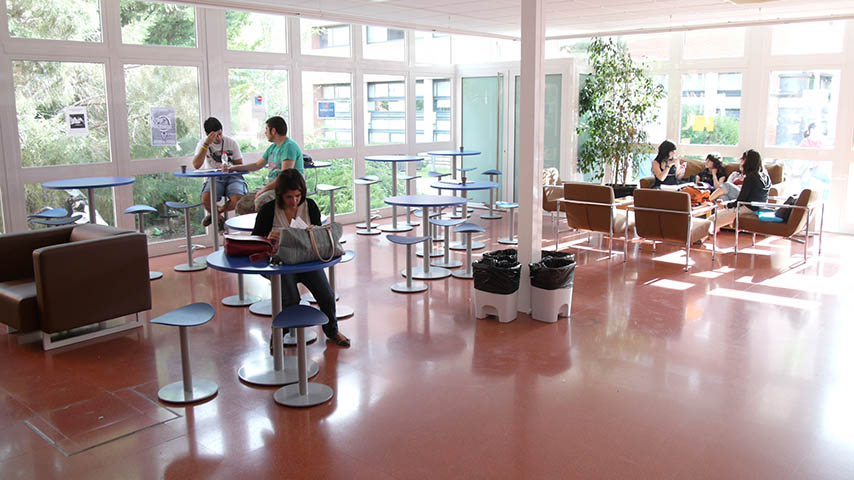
[
  {"x": 657, "y": 131},
  {"x": 330, "y": 39},
  {"x": 254, "y": 96},
  {"x": 38, "y": 198},
  {"x": 654, "y": 46},
  {"x": 385, "y": 109},
  {"x": 802, "y": 108},
  {"x": 62, "y": 113},
  {"x": 147, "y": 23},
  {"x": 163, "y": 110},
  {"x": 78, "y": 20},
  {"x": 807, "y": 38},
  {"x": 432, "y": 48},
  {"x": 155, "y": 190},
  {"x": 714, "y": 43},
  {"x": 326, "y": 110},
  {"x": 711, "y": 108},
  {"x": 566, "y": 48},
  {"x": 381, "y": 43},
  {"x": 433, "y": 110},
  {"x": 256, "y": 32},
  {"x": 469, "y": 49},
  {"x": 341, "y": 174}
]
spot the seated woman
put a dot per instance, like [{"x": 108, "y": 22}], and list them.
[
  {"x": 755, "y": 188},
  {"x": 714, "y": 173},
  {"x": 667, "y": 169},
  {"x": 277, "y": 214},
  {"x": 729, "y": 189}
]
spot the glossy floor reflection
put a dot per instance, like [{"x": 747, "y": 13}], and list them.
[{"x": 735, "y": 369}]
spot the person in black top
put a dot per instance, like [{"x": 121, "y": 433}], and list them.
[
  {"x": 714, "y": 174},
  {"x": 291, "y": 203},
  {"x": 755, "y": 188},
  {"x": 666, "y": 168}
]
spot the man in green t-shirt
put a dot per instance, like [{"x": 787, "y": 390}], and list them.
[{"x": 282, "y": 154}]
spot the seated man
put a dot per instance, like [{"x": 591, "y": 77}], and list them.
[
  {"x": 283, "y": 154},
  {"x": 209, "y": 154}
]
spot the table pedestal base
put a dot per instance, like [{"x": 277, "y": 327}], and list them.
[
  {"x": 462, "y": 274},
  {"x": 344, "y": 311},
  {"x": 315, "y": 394},
  {"x": 435, "y": 273},
  {"x": 493, "y": 216},
  {"x": 262, "y": 373},
  {"x": 462, "y": 245},
  {"x": 154, "y": 275},
  {"x": 195, "y": 267},
  {"x": 401, "y": 287},
  {"x": 365, "y": 231},
  {"x": 434, "y": 253},
  {"x": 174, "y": 392},
  {"x": 263, "y": 308},
  {"x": 401, "y": 227},
  {"x": 236, "y": 301}
]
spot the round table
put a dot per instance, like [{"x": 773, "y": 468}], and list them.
[
  {"x": 272, "y": 371},
  {"x": 394, "y": 160},
  {"x": 425, "y": 202},
  {"x": 90, "y": 184},
  {"x": 314, "y": 166},
  {"x": 454, "y": 154},
  {"x": 465, "y": 187},
  {"x": 211, "y": 175}
]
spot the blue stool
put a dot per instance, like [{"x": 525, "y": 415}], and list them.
[
  {"x": 408, "y": 179},
  {"x": 408, "y": 286},
  {"x": 303, "y": 393},
  {"x": 48, "y": 213},
  {"x": 491, "y": 215},
  {"x": 53, "y": 217},
  {"x": 446, "y": 262},
  {"x": 189, "y": 389},
  {"x": 511, "y": 238},
  {"x": 436, "y": 238},
  {"x": 366, "y": 228},
  {"x": 140, "y": 211},
  {"x": 191, "y": 265},
  {"x": 467, "y": 229}
]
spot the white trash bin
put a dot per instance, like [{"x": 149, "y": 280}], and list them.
[
  {"x": 548, "y": 305},
  {"x": 502, "y": 306}
]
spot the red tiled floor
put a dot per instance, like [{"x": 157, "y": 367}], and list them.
[{"x": 739, "y": 368}]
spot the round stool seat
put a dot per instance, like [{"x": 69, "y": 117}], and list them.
[
  {"x": 402, "y": 240},
  {"x": 53, "y": 222},
  {"x": 348, "y": 255},
  {"x": 506, "y": 205},
  {"x": 299, "y": 316},
  {"x": 191, "y": 315},
  {"x": 469, "y": 228},
  {"x": 140, "y": 209},
  {"x": 447, "y": 222},
  {"x": 50, "y": 213},
  {"x": 328, "y": 188},
  {"x": 182, "y": 205},
  {"x": 367, "y": 180},
  {"x": 407, "y": 178},
  {"x": 466, "y": 169},
  {"x": 492, "y": 172},
  {"x": 437, "y": 174}
]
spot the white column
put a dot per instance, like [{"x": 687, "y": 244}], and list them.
[{"x": 531, "y": 137}]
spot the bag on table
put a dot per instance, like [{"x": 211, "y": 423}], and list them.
[
  {"x": 697, "y": 196},
  {"x": 252, "y": 246},
  {"x": 300, "y": 245}
]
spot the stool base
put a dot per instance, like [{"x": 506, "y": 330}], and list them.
[
  {"x": 413, "y": 224},
  {"x": 462, "y": 246},
  {"x": 155, "y": 275},
  {"x": 508, "y": 241},
  {"x": 316, "y": 393},
  {"x": 195, "y": 267},
  {"x": 365, "y": 231},
  {"x": 174, "y": 392},
  {"x": 449, "y": 264},
  {"x": 435, "y": 273},
  {"x": 262, "y": 373},
  {"x": 462, "y": 274},
  {"x": 344, "y": 311},
  {"x": 291, "y": 340},
  {"x": 401, "y": 227},
  {"x": 400, "y": 287},
  {"x": 487, "y": 216},
  {"x": 309, "y": 298},
  {"x": 434, "y": 253},
  {"x": 235, "y": 301},
  {"x": 263, "y": 308}
]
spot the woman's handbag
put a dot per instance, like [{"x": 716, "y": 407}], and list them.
[
  {"x": 298, "y": 245},
  {"x": 251, "y": 246}
]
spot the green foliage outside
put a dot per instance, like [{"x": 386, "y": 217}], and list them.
[
  {"x": 725, "y": 132},
  {"x": 266, "y": 33},
  {"x": 78, "y": 20},
  {"x": 340, "y": 174},
  {"x": 149, "y": 23},
  {"x": 617, "y": 102},
  {"x": 156, "y": 189},
  {"x": 244, "y": 84}
]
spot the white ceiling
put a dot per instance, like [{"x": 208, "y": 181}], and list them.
[{"x": 562, "y": 17}]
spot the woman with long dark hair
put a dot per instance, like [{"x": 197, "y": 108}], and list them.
[
  {"x": 666, "y": 168},
  {"x": 755, "y": 188}
]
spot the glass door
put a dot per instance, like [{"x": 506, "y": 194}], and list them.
[
  {"x": 482, "y": 110},
  {"x": 551, "y": 148}
]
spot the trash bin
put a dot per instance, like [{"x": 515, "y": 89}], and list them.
[
  {"x": 552, "y": 279},
  {"x": 496, "y": 283}
]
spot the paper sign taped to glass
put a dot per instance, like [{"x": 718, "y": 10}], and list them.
[
  {"x": 164, "y": 130},
  {"x": 76, "y": 122}
]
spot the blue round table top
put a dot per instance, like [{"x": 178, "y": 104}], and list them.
[
  {"x": 88, "y": 182},
  {"x": 478, "y": 185},
  {"x": 424, "y": 201},
  {"x": 220, "y": 261},
  {"x": 393, "y": 158},
  {"x": 318, "y": 165},
  {"x": 242, "y": 223},
  {"x": 453, "y": 153},
  {"x": 206, "y": 173}
]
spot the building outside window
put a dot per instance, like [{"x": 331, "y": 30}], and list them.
[
  {"x": 711, "y": 108},
  {"x": 385, "y": 109},
  {"x": 433, "y": 110},
  {"x": 802, "y": 108}
]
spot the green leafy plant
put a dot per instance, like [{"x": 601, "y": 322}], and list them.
[{"x": 617, "y": 102}]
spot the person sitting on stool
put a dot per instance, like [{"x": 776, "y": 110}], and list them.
[{"x": 209, "y": 153}]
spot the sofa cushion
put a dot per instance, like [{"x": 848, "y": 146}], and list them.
[
  {"x": 87, "y": 231},
  {"x": 19, "y": 306}
]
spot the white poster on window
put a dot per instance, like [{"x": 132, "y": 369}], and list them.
[
  {"x": 76, "y": 122},
  {"x": 164, "y": 132},
  {"x": 259, "y": 107}
]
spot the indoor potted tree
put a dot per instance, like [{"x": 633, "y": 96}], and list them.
[{"x": 617, "y": 102}]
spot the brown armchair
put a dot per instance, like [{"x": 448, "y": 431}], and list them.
[
  {"x": 63, "y": 278},
  {"x": 799, "y": 219},
  {"x": 667, "y": 216},
  {"x": 592, "y": 208},
  {"x": 694, "y": 167}
]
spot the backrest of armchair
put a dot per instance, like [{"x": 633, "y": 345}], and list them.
[
  {"x": 88, "y": 231},
  {"x": 551, "y": 194},
  {"x": 693, "y": 167},
  {"x": 585, "y": 216},
  {"x": 731, "y": 167},
  {"x": 670, "y": 226},
  {"x": 775, "y": 172},
  {"x": 16, "y": 250},
  {"x": 798, "y": 217}
]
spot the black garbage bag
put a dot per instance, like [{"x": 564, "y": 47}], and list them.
[
  {"x": 544, "y": 254},
  {"x": 496, "y": 276},
  {"x": 509, "y": 254},
  {"x": 552, "y": 273}
]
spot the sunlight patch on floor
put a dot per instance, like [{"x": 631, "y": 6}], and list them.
[{"x": 765, "y": 298}]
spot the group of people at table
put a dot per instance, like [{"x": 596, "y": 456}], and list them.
[{"x": 282, "y": 199}]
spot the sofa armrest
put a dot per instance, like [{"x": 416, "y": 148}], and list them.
[
  {"x": 17, "y": 250},
  {"x": 90, "y": 281},
  {"x": 646, "y": 182}
]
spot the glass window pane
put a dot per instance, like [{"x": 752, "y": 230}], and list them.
[
  {"x": 470, "y": 49},
  {"x": 78, "y": 20},
  {"x": 551, "y": 146},
  {"x": 328, "y": 121},
  {"x": 711, "y": 108},
  {"x": 566, "y": 48},
  {"x": 432, "y": 48},
  {"x": 801, "y": 174},
  {"x": 147, "y": 23},
  {"x": 329, "y": 39},
  {"x": 256, "y": 32},
  {"x": 655, "y": 46},
  {"x": 44, "y": 93},
  {"x": 381, "y": 43},
  {"x": 167, "y": 224},
  {"x": 714, "y": 43},
  {"x": 340, "y": 174},
  {"x": 385, "y": 112},
  {"x": 658, "y": 130},
  {"x": 255, "y": 96},
  {"x": 807, "y": 38},
  {"x": 433, "y": 110},
  {"x": 802, "y": 107},
  {"x": 75, "y": 201},
  {"x": 381, "y": 190},
  {"x": 162, "y": 87}
]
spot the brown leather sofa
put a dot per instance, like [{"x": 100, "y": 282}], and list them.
[
  {"x": 58, "y": 279},
  {"x": 694, "y": 167},
  {"x": 591, "y": 207},
  {"x": 803, "y": 214}
]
